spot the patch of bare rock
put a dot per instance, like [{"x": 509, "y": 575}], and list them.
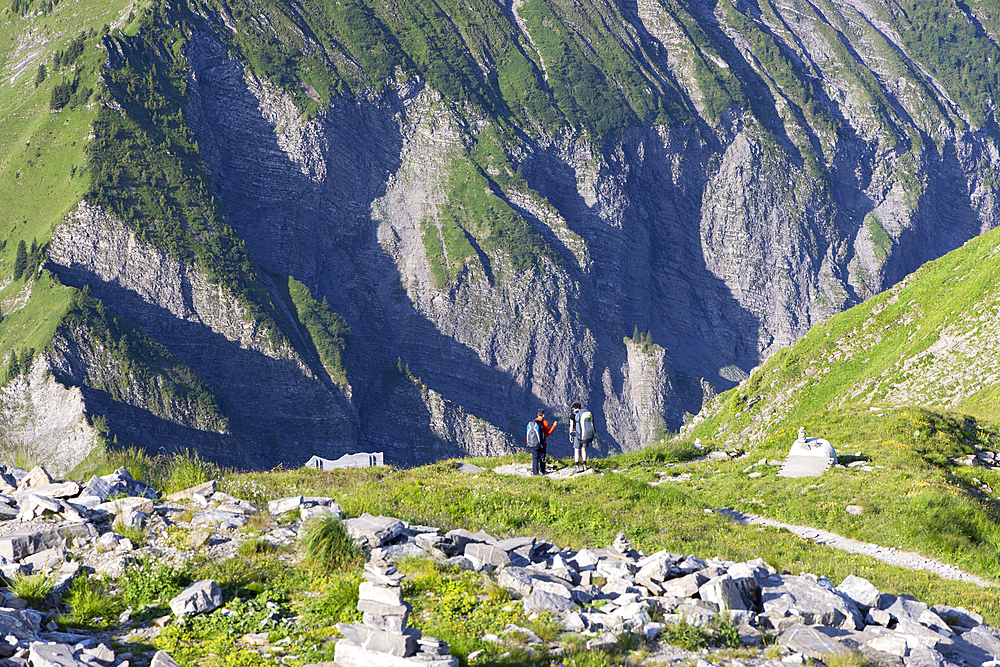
[{"x": 67, "y": 529}]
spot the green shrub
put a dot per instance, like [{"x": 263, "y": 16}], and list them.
[
  {"x": 328, "y": 546},
  {"x": 148, "y": 581}
]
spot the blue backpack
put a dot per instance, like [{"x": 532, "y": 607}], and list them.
[{"x": 533, "y": 437}]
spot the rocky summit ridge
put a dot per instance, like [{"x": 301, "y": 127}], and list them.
[
  {"x": 270, "y": 231},
  {"x": 66, "y": 530}
]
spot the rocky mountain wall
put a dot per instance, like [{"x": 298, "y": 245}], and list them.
[
  {"x": 46, "y": 421},
  {"x": 278, "y": 409},
  {"x": 724, "y": 242},
  {"x": 717, "y": 177}
]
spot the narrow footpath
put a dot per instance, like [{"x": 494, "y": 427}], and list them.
[{"x": 910, "y": 560}]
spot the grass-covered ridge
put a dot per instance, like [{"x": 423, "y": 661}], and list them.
[
  {"x": 324, "y": 329},
  {"x": 927, "y": 341},
  {"x": 143, "y": 366},
  {"x": 905, "y": 383},
  {"x": 145, "y": 167}
]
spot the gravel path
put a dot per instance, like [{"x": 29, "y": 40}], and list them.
[{"x": 911, "y": 560}]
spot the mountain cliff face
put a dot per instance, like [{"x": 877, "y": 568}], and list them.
[{"x": 491, "y": 197}]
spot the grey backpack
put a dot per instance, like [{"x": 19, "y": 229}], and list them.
[{"x": 586, "y": 429}]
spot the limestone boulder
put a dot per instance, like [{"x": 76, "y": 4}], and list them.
[
  {"x": 98, "y": 488},
  {"x": 21, "y": 623},
  {"x": 691, "y": 564},
  {"x": 41, "y": 654},
  {"x": 958, "y": 617},
  {"x": 16, "y": 546},
  {"x": 656, "y": 567},
  {"x": 487, "y": 556},
  {"x": 541, "y": 601},
  {"x": 684, "y": 587},
  {"x": 204, "y": 490},
  {"x": 37, "y": 476},
  {"x": 163, "y": 659},
  {"x": 517, "y": 580},
  {"x": 811, "y": 642},
  {"x": 121, "y": 481},
  {"x": 374, "y": 530},
  {"x": 861, "y": 591},
  {"x": 55, "y": 490},
  {"x": 199, "y": 597},
  {"x": 804, "y": 596},
  {"x": 908, "y": 613},
  {"x": 724, "y": 592},
  {"x": 633, "y": 616}
]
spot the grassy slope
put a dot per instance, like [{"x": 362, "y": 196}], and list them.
[
  {"x": 42, "y": 165},
  {"x": 880, "y": 353}
]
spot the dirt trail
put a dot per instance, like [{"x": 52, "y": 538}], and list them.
[{"x": 908, "y": 559}]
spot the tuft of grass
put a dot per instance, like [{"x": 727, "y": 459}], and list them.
[
  {"x": 328, "y": 546},
  {"x": 238, "y": 572},
  {"x": 16, "y": 449},
  {"x": 851, "y": 659},
  {"x": 546, "y": 627},
  {"x": 32, "y": 588},
  {"x": 685, "y": 635},
  {"x": 339, "y": 600},
  {"x": 255, "y": 547},
  {"x": 723, "y": 633},
  {"x": 91, "y": 605},
  {"x": 257, "y": 523},
  {"x": 186, "y": 469},
  {"x": 137, "y": 535}
]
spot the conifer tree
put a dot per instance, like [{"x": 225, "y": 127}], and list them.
[
  {"x": 13, "y": 367},
  {"x": 20, "y": 260}
]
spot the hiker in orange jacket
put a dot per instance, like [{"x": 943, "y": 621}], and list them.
[{"x": 546, "y": 431}]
